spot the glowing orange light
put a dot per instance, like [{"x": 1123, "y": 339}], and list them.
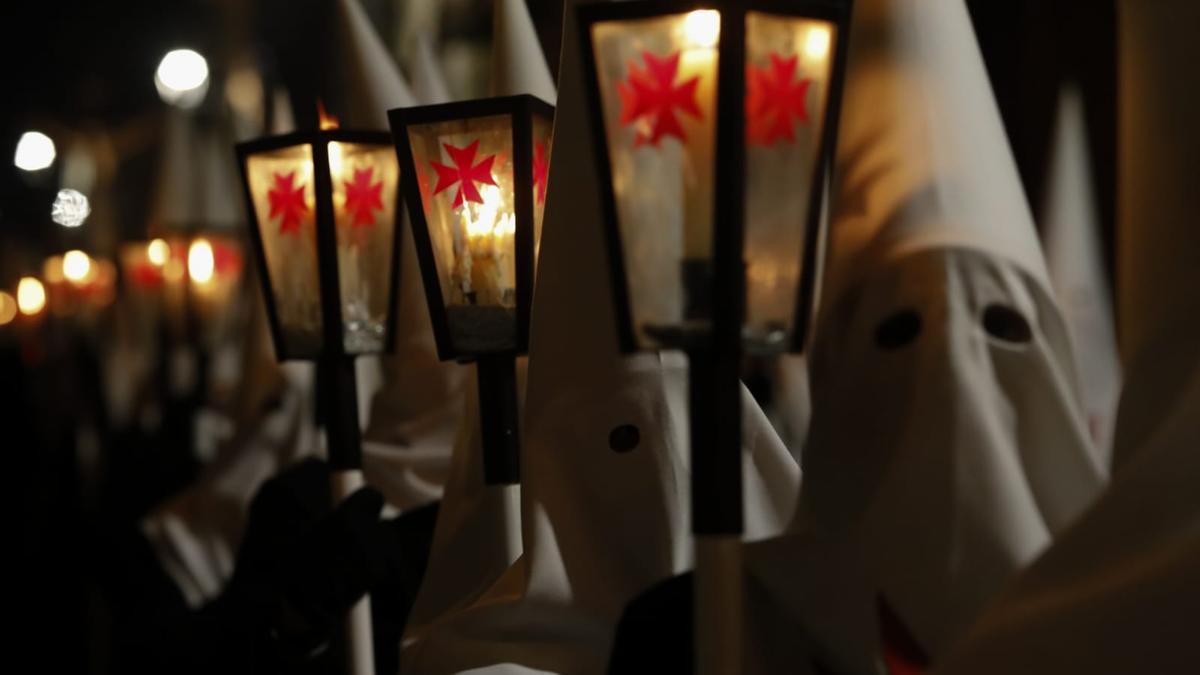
[
  {"x": 8, "y": 308},
  {"x": 327, "y": 121},
  {"x": 31, "y": 296}
]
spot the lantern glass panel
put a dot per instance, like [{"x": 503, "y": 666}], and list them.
[
  {"x": 543, "y": 128},
  {"x": 657, "y": 79},
  {"x": 281, "y": 186},
  {"x": 464, "y": 169},
  {"x": 788, "y": 68},
  {"x": 364, "y": 179}
]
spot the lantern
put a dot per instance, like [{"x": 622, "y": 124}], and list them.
[
  {"x": 322, "y": 207},
  {"x": 323, "y": 210},
  {"x": 714, "y": 126},
  {"x": 475, "y": 184},
  {"x": 78, "y": 284},
  {"x": 738, "y": 95}
]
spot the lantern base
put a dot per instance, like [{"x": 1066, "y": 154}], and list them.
[{"x": 476, "y": 329}]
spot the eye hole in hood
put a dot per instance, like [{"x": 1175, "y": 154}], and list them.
[
  {"x": 1006, "y": 324},
  {"x": 624, "y": 438},
  {"x": 898, "y": 330}
]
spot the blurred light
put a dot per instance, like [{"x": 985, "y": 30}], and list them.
[
  {"x": 70, "y": 208},
  {"x": 703, "y": 27},
  {"x": 76, "y": 265},
  {"x": 52, "y": 270},
  {"x": 201, "y": 262},
  {"x": 182, "y": 78},
  {"x": 157, "y": 251},
  {"x": 326, "y": 121},
  {"x": 8, "y": 308},
  {"x": 31, "y": 296},
  {"x": 35, "y": 151},
  {"x": 816, "y": 45}
]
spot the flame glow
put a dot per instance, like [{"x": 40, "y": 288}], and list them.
[
  {"x": 157, "y": 252},
  {"x": 31, "y": 296},
  {"x": 201, "y": 263},
  {"x": 327, "y": 121},
  {"x": 8, "y": 308},
  {"x": 816, "y": 44},
  {"x": 76, "y": 265},
  {"x": 703, "y": 27}
]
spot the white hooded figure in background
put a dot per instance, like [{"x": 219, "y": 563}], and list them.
[
  {"x": 1070, "y": 225},
  {"x": 412, "y": 420},
  {"x": 604, "y": 500},
  {"x": 948, "y": 445},
  {"x": 1119, "y": 591},
  {"x": 478, "y": 532}
]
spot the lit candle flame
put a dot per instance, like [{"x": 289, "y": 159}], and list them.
[
  {"x": 816, "y": 44},
  {"x": 703, "y": 27},
  {"x": 201, "y": 263},
  {"x": 327, "y": 121},
  {"x": 157, "y": 252}
]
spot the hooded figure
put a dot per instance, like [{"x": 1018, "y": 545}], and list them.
[
  {"x": 948, "y": 445},
  {"x": 604, "y": 500},
  {"x": 1118, "y": 592},
  {"x": 1076, "y": 263},
  {"x": 429, "y": 85},
  {"x": 413, "y": 418}
]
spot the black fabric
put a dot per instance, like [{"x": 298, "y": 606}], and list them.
[
  {"x": 300, "y": 567},
  {"x": 654, "y": 634}
]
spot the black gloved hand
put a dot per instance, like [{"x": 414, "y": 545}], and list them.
[{"x": 334, "y": 565}]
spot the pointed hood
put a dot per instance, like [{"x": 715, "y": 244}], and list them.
[
  {"x": 518, "y": 64},
  {"x": 374, "y": 81},
  {"x": 176, "y": 198},
  {"x": 936, "y": 170},
  {"x": 605, "y": 475},
  {"x": 282, "y": 119},
  {"x": 413, "y": 416},
  {"x": 1070, "y": 225},
  {"x": 429, "y": 84},
  {"x": 947, "y": 445}
]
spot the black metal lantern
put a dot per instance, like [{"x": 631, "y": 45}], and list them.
[
  {"x": 323, "y": 209},
  {"x": 714, "y": 125},
  {"x": 475, "y": 184}
]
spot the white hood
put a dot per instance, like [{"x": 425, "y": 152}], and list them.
[
  {"x": 1118, "y": 592},
  {"x": 412, "y": 420},
  {"x": 1070, "y": 225},
  {"x": 518, "y": 64},
  {"x": 947, "y": 444},
  {"x": 429, "y": 84}
]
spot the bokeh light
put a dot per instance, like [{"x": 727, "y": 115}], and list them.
[
  {"x": 35, "y": 151},
  {"x": 182, "y": 78},
  {"x": 201, "y": 263},
  {"x": 31, "y": 296},
  {"x": 70, "y": 208}
]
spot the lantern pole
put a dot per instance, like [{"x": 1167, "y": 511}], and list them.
[
  {"x": 339, "y": 396},
  {"x": 714, "y": 383},
  {"x": 498, "y": 414}
]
